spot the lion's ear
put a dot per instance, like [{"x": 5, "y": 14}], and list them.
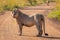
[{"x": 14, "y": 9}]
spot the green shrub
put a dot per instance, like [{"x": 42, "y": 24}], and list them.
[
  {"x": 54, "y": 14},
  {"x": 10, "y": 4},
  {"x": 6, "y": 7}
]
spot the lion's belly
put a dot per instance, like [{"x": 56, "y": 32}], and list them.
[{"x": 29, "y": 23}]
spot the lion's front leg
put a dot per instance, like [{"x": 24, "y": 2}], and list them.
[
  {"x": 20, "y": 26},
  {"x": 20, "y": 29}
]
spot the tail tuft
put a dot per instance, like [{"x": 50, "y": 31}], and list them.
[{"x": 46, "y": 34}]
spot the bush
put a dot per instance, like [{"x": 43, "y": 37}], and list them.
[
  {"x": 6, "y": 7},
  {"x": 10, "y": 4},
  {"x": 54, "y": 14},
  {"x": 1, "y": 9}
]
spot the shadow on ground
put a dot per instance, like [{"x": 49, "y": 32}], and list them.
[
  {"x": 48, "y": 37},
  {"x": 51, "y": 37}
]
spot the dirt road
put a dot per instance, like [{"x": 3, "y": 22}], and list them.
[{"x": 9, "y": 28}]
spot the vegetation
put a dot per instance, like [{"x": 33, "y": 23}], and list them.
[
  {"x": 55, "y": 13},
  {"x": 10, "y": 4}
]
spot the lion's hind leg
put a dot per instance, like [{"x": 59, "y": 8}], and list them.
[{"x": 38, "y": 24}]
